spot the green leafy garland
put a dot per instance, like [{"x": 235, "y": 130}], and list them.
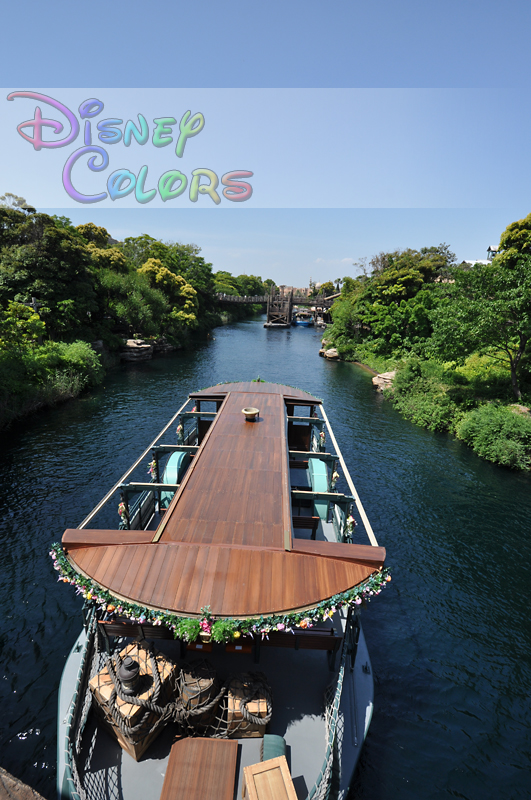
[{"x": 220, "y": 630}]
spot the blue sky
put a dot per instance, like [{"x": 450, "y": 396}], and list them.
[{"x": 434, "y": 148}]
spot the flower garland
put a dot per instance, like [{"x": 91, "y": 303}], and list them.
[
  {"x": 350, "y": 525},
  {"x": 220, "y": 630},
  {"x": 122, "y": 511}
]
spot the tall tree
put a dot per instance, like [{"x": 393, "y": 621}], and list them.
[{"x": 488, "y": 310}]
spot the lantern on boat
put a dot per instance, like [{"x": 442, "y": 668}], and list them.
[{"x": 128, "y": 674}]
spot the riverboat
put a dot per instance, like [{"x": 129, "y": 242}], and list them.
[
  {"x": 303, "y": 319},
  {"x": 222, "y": 650}
]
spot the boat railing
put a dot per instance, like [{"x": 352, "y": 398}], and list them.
[
  {"x": 346, "y": 473},
  {"x": 339, "y": 521},
  {"x": 141, "y": 511},
  {"x": 78, "y": 711},
  {"x": 131, "y": 469}
]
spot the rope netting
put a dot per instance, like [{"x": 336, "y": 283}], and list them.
[
  {"x": 191, "y": 695},
  {"x": 321, "y": 788}
]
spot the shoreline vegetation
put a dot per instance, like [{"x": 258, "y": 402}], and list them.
[
  {"x": 457, "y": 336},
  {"x": 71, "y": 297}
]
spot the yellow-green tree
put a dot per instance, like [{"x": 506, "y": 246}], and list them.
[
  {"x": 20, "y": 326},
  {"x": 107, "y": 258},
  {"x": 181, "y": 296},
  {"x": 94, "y": 234}
]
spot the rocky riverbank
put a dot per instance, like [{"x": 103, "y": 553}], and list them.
[{"x": 381, "y": 380}]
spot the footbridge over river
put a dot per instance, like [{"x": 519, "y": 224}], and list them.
[{"x": 280, "y": 306}]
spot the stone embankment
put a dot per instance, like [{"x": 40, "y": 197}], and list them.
[
  {"x": 13, "y": 789},
  {"x": 136, "y": 350},
  {"x": 139, "y": 350}
]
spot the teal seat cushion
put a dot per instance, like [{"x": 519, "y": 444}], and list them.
[{"x": 272, "y": 746}]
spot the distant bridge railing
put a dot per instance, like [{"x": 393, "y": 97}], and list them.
[
  {"x": 320, "y": 301},
  {"x": 232, "y": 298}
]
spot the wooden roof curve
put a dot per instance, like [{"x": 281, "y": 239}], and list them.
[
  {"x": 289, "y": 393},
  {"x": 226, "y": 540}
]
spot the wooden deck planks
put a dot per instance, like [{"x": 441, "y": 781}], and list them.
[
  {"x": 158, "y": 594},
  {"x": 233, "y": 581},
  {"x": 241, "y": 476}
]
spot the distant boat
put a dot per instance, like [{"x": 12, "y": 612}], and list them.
[
  {"x": 237, "y": 548},
  {"x": 303, "y": 318}
]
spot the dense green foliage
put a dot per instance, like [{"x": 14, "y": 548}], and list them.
[
  {"x": 499, "y": 434},
  {"x": 33, "y": 377},
  {"x": 390, "y": 311},
  {"x": 62, "y": 287},
  {"x": 457, "y": 336}
]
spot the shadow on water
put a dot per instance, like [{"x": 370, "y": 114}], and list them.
[{"x": 449, "y": 638}]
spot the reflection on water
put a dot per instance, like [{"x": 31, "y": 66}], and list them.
[{"x": 449, "y": 638}]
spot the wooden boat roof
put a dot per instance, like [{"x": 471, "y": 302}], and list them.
[
  {"x": 226, "y": 540},
  {"x": 289, "y": 393}
]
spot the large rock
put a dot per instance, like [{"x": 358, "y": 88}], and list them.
[
  {"x": 136, "y": 350},
  {"x": 331, "y": 354},
  {"x": 384, "y": 380}
]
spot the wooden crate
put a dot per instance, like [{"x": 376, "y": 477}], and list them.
[
  {"x": 101, "y": 685},
  {"x": 237, "y": 726}
]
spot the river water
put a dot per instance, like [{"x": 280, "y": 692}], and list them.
[{"x": 449, "y": 638}]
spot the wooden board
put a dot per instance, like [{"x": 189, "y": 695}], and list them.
[
  {"x": 269, "y": 780},
  {"x": 238, "y": 489},
  {"x": 362, "y": 553},
  {"x": 201, "y": 769}
]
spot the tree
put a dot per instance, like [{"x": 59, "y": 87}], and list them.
[
  {"x": 225, "y": 283},
  {"x": 131, "y": 299},
  {"x": 269, "y": 284},
  {"x": 250, "y": 285},
  {"x": 107, "y": 258},
  {"x": 38, "y": 259},
  {"x": 99, "y": 236},
  {"x": 20, "y": 326},
  {"x": 515, "y": 241},
  {"x": 181, "y": 296},
  {"x": 181, "y": 259},
  {"x": 9, "y": 200},
  {"x": 488, "y": 310},
  {"x": 392, "y": 307},
  {"x": 327, "y": 288}
]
